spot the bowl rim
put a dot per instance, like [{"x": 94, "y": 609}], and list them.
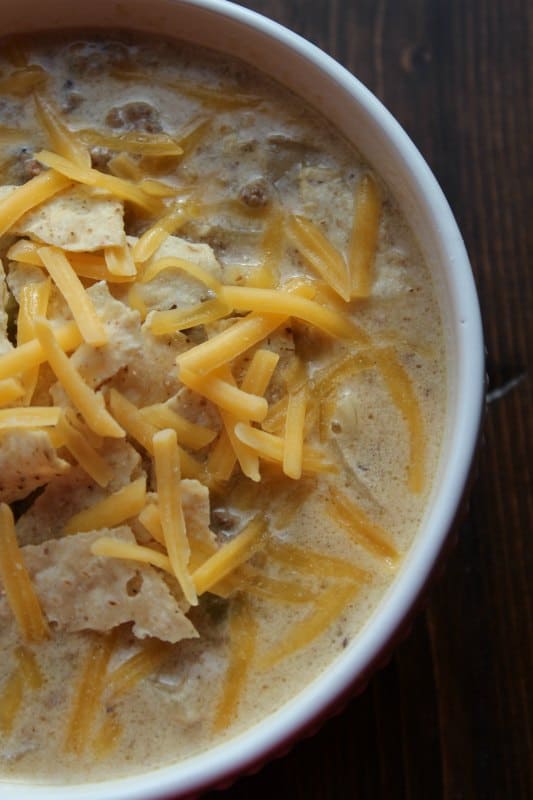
[{"x": 258, "y": 744}]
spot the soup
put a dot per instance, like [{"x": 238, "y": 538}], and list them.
[{"x": 222, "y": 400}]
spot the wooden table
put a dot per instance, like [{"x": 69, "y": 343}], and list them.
[{"x": 450, "y": 717}]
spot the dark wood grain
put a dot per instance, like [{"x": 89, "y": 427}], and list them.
[{"x": 450, "y": 716}]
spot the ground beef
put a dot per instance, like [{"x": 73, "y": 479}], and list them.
[
  {"x": 91, "y": 58},
  {"x": 72, "y": 101},
  {"x": 24, "y": 166},
  {"x": 256, "y": 193},
  {"x": 100, "y": 157},
  {"x": 137, "y": 116},
  {"x": 30, "y": 167}
]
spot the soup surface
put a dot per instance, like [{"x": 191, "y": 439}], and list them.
[{"x": 222, "y": 393}]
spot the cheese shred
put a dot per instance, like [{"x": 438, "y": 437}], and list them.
[
  {"x": 190, "y": 268},
  {"x": 119, "y": 261},
  {"x": 19, "y": 589},
  {"x": 90, "y": 404},
  {"x": 113, "y": 510},
  {"x": 363, "y": 241},
  {"x": 228, "y": 397},
  {"x": 86, "y": 700},
  {"x": 11, "y": 701},
  {"x": 243, "y": 631},
  {"x": 189, "y": 433},
  {"x": 84, "y": 453},
  {"x": 168, "y": 475},
  {"x": 10, "y": 390},
  {"x": 31, "y": 354},
  {"x": 123, "y": 189},
  {"x": 356, "y": 522},
  {"x": 230, "y": 555},
  {"x": 327, "y": 607},
  {"x": 79, "y": 302},
  {"x": 294, "y": 433},
  {"x": 230, "y": 343},
  {"x": 114, "y": 548},
  {"x": 28, "y": 196},
  {"x": 319, "y": 254},
  {"x": 33, "y": 303},
  {"x": 61, "y": 139},
  {"x": 153, "y": 238},
  {"x": 29, "y": 417},
  {"x": 126, "y": 676},
  {"x": 242, "y": 298}
]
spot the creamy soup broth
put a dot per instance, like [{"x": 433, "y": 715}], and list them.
[{"x": 254, "y": 158}]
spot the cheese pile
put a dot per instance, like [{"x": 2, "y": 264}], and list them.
[
  {"x": 101, "y": 320},
  {"x": 70, "y": 265}
]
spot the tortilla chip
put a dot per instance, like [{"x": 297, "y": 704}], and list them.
[
  {"x": 77, "y": 220},
  {"x": 174, "y": 288}
]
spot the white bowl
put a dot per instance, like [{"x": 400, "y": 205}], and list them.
[{"x": 363, "y": 120}]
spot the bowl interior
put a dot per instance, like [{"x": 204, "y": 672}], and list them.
[{"x": 365, "y": 122}]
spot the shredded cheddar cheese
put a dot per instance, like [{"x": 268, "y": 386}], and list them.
[
  {"x": 147, "y": 144},
  {"x": 319, "y": 254},
  {"x": 327, "y": 607},
  {"x": 228, "y": 397},
  {"x": 167, "y": 469},
  {"x": 62, "y": 140},
  {"x": 17, "y": 583},
  {"x": 151, "y": 519},
  {"x": 119, "y": 261},
  {"x": 153, "y": 238},
  {"x": 272, "y": 447},
  {"x": 163, "y": 323},
  {"x": 243, "y": 637},
  {"x": 173, "y": 262},
  {"x": 29, "y": 417},
  {"x": 85, "y": 704},
  {"x": 79, "y": 302},
  {"x": 264, "y": 300},
  {"x": 23, "y": 81},
  {"x": 363, "y": 242},
  {"x": 260, "y": 371},
  {"x": 222, "y": 459},
  {"x": 28, "y": 196},
  {"x": 230, "y": 555},
  {"x": 353, "y": 519},
  {"x": 129, "y": 417},
  {"x": 11, "y": 701},
  {"x": 402, "y": 393},
  {"x": 84, "y": 453},
  {"x": 125, "y": 677},
  {"x": 189, "y": 433},
  {"x": 114, "y": 548},
  {"x": 10, "y": 390},
  {"x": 31, "y": 354},
  {"x": 85, "y": 265},
  {"x": 111, "y": 511},
  {"x": 29, "y": 667},
  {"x": 294, "y": 434},
  {"x": 33, "y": 303},
  {"x": 140, "y": 428},
  {"x": 90, "y": 404},
  {"x": 88, "y": 176},
  {"x": 230, "y": 343},
  {"x": 107, "y": 737},
  {"x": 124, "y": 166},
  {"x": 310, "y": 562},
  {"x": 246, "y": 457}
]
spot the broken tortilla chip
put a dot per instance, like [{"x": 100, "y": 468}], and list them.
[{"x": 78, "y": 220}]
